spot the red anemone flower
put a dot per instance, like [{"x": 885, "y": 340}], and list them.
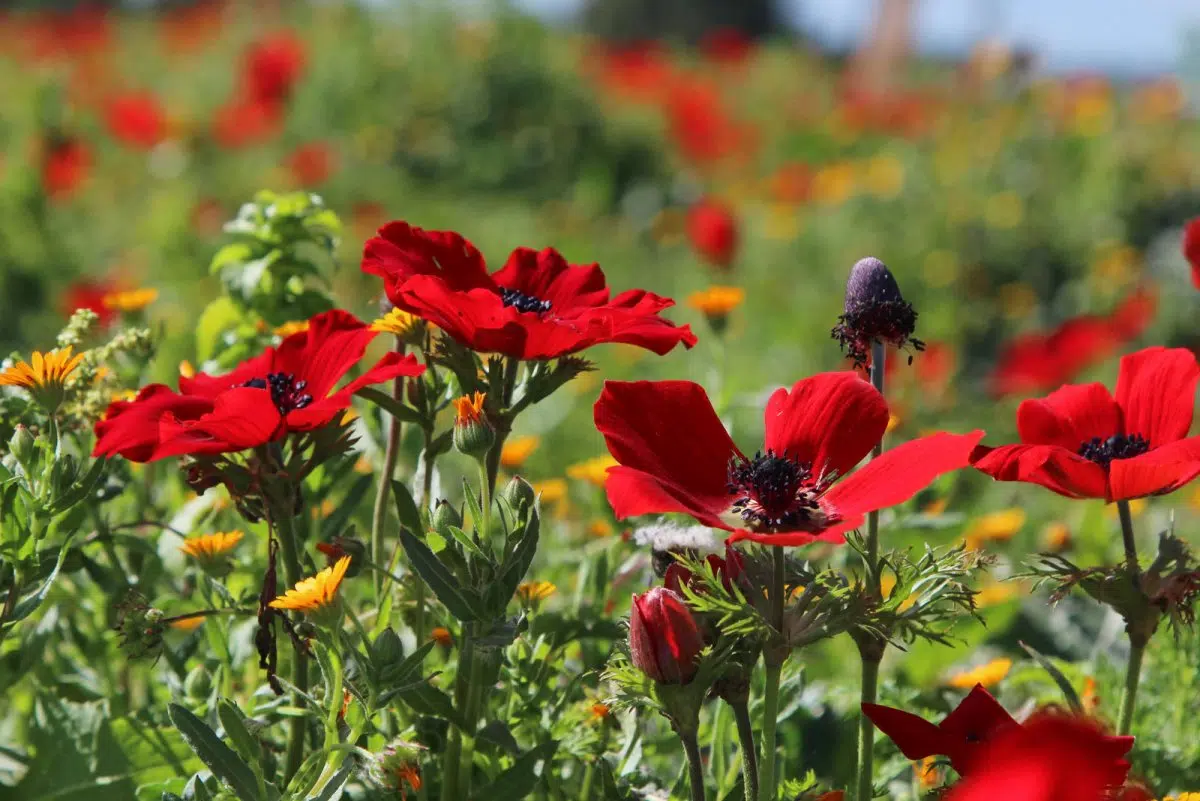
[
  {"x": 1052, "y": 757},
  {"x": 674, "y": 455},
  {"x": 1191, "y": 249},
  {"x": 137, "y": 119},
  {"x": 713, "y": 232},
  {"x": 312, "y": 163},
  {"x": 535, "y": 307},
  {"x": 282, "y": 390},
  {"x": 272, "y": 67},
  {"x": 1082, "y": 443},
  {"x": 1042, "y": 360},
  {"x": 89, "y": 294},
  {"x": 65, "y": 166}
]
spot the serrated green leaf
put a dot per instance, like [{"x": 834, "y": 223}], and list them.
[{"x": 225, "y": 764}]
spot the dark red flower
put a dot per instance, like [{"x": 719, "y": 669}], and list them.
[
  {"x": 730, "y": 569},
  {"x": 311, "y": 164},
  {"x": 1052, "y": 757},
  {"x": 136, "y": 119},
  {"x": 664, "y": 639},
  {"x": 964, "y": 735},
  {"x": 1042, "y": 360},
  {"x": 1191, "y": 249},
  {"x": 713, "y": 232},
  {"x": 535, "y": 307},
  {"x": 726, "y": 47},
  {"x": 674, "y": 455},
  {"x": 271, "y": 68},
  {"x": 283, "y": 390},
  {"x": 1080, "y": 442},
  {"x": 66, "y": 164}
]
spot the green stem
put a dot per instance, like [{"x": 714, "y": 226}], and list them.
[
  {"x": 695, "y": 765},
  {"x": 285, "y": 534},
  {"x": 745, "y": 730},
  {"x": 1133, "y": 675},
  {"x": 503, "y": 425},
  {"x": 585, "y": 790},
  {"x": 866, "y": 730},
  {"x": 471, "y": 715},
  {"x": 1131, "y": 554},
  {"x": 390, "y": 454},
  {"x": 773, "y": 658}
]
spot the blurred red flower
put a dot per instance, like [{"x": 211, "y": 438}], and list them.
[
  {"x": 245, "y": 122},
  {"x": 136, "y": 119},
  {"x": 674, "y": 455},
  {"x": 713, "y": 232},
  {"x": 664, "y": 639},
  {"x": 638, "y": 72},
  {"x": 191, "y": 27},
  {"x": 535, "y": 307},
  {"x": 1042, "y": 360},
  {"x": 89, "y": 294},
  {"x": 791, "y": 183},
  {"x": 283, "y": 390},
  {"x": 1052, "y": 757},
  {"x": 66, "y": 164},
  {"x": 78, "y": 34},
  {"x": 700, "y": 125},
  {"x": 1081, "y": 443},
  {"x": 1191, "y": 249},
  {"x": 271, "y": 68},
  {"x": 311, "y": 164},
  {"x": 726, "y": 47}
]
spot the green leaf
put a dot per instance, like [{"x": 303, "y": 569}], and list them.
[
  {"x": 306, "y": 776},
  {"x": 217, "y": 318},
  {"x": 406, "y": 508},
  {"x": 234, "y": 723},
  {"x": 333, "y": 789},
  {"x": 405, "y": 671},
  {"x": 463, "y": 603},
  {"x": 220, "y": 758},
  {"x": 520, "y": 779},
  {"x": 398, "y": 409},
  {"x": 1062, "y": 681},
  {"x": 336, "y": 521},
  {"x": 232, "y": 254},
  {"x": 27, "y": 605},
  {"x": 517, "y": 564},
  {"x": 425, "y": 699}
]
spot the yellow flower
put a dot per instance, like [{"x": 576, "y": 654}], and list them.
[
  {"x": 995, "y": 527},
  {"x": 517, "y": 450},
  {"x": 997, "y": 592},
  {"x": 885, "y": 176},
  {"x": 988, "y": 675},
  {"x": 832, "y": 185},
  {"x": 130, "y": 301},
  {"x": 442, "y": 636},
  {"x": 211, "y": 546},
  {"x": 936, "y": 507},
  {"x": 1057, "y": 537},
  {"x": 397, "y": 321},
  {"x": 1195, "y": 796},
  {"x": 315, "y": 593},
  {"x": 929, "y": 775},
  {"x": 600, "y": 529},
  {"x": 363, "y": 466},
  {"x": 1089, "y": 697},
  {"x": 550, "y": 491},
  {"x": 292, "y": 327},
  {"x": 532, "y": 591},
  {"x": 468, "y": 409},
  {"x": 892, "y": 424},
  {"x": 44, "y": 379},
  {"x": 187, "y": 623},
  {"x": 717, "y": 302},
  {"x": 594, "y": 471},
  {"x": 186, "y": 369}
]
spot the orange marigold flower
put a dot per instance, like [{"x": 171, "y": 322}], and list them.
[
  {"x": 988, "y": 675},
  {"x": 211, "y": 546},
  {"x": 469, "y": 408},
  {"x": 315, "y": 593},
  {"x": 45, "y": 377},
  {"x": 600, "y": 712},
  {"x": 533, "y": 591},
  {"x": 593, "y": 471},
  {"x": 517, "y": 450},
  {"x": 442, "y": 636},
  {"x": 717, "y": 301},
  {"x": 398, "y": 322},
  {"x": 132, "y": 300}
]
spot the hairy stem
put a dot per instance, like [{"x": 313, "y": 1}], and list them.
[
  {"x": 745, "y": 730},
  {"x": 390, "y": 454},
  {"x": 285, "y": 533},
  {"x": 695, "y": 765},
  {"x": 866, "y": 730},
  {"x": 1131, "y": 554},
  {"x": 1137, "y": 640}
]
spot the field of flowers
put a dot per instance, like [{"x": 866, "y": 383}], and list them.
[{"x": 399, "y": 405}]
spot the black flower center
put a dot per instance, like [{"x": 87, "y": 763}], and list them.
[
  {"x": 1118, "y": 446},
  {"x": 773, "y": 491},
  {"x": 286, "y": 392},
  {"x": 522, "y": 302}
]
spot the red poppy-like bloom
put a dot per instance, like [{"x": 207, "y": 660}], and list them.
[
  {"x": 1191, "y": 249},
  {"x": 136, "y": 119},
  {"x": 65, "y": 166},
  {"x": 674, "y": 455},
  {"x": 664, "y": 639},
  {"x": 1042, "y": 360},
  {"x": 537, "y": 306},
  {"x": 701, "y": 125},
  {"x": 246, "y": 122},
  {"x": 283, "y": 390},
  {"x": 1052, "y": 757},
  {"x": 713, "y": 232},
  {"x": 637, "y": 72},
  {"x": 964, "y": 735},
  {"x": 726, "y": 47},
  {"x": 89, "y": 294},
  {"x": 1082, "y": 443},
  {"x": 311, "y": 164},
  {"x": 272, "y": 67}
]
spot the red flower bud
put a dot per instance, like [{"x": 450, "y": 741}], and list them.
[
  {"x": 713, "y": 232},
  {"x": 664, "y": 639}
]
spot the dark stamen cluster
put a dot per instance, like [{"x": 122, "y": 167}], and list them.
[
  {"x": 286, "y": 392},
  {"x": 522, "y": 302},
  {"x": 1118, "y": 446},
  {"x": 772, "y": 490},
  {"x": 875, "y": 311}
]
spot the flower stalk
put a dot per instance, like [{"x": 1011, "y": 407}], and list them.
[
  {"x": 390, "y": 455},
  {"x": 745, "y": 731},
  {"x": 1137, "y": 640},
  {"x": 773, "y": 658},
  {"x": 285, "y": 534},
  {"x": 695, "y": 765}
]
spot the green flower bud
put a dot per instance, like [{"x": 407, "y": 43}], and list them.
[
  {"x": 519, "y": 494},
  {"x": 21, "y": 445},
  {"x": 473, "y": 434},
  {"x": 445, "y": 516},
  {"x": 198, "y": 683}
]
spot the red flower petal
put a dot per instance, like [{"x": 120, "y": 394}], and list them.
[
  {"x": 241, "y": 418},
  {"x": 333, "y": 343},
  {"x": 1156, "y": 389},
  {"x": 831, "y": 420},
  {"x": 324, "y": 411},
  {"x": 673, "y": 451},
  {"x": 546, "y": 275},
  {"x": 916, "y": 737},
  {"x": 401, "y": 251},
  {"x": 1055, "y": 468},
  {"x": 900, "y": 473},
  {"x": 130, "y": 428},
  {"x": 1191, "y": 249},
  {"x": 1158, "y": 472},
  {"x": 1069, "y": 417},
  {"x": 978, "y": 718}
]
